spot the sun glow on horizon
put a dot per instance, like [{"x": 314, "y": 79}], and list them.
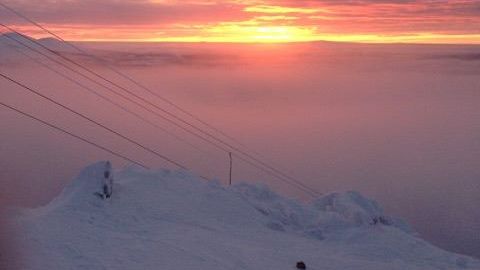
[
  {"x": 235, "y": 33},
  {"x": 266, "y": 21},
  {"x": 251, "y": 33}
]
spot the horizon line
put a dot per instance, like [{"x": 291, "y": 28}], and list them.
[{"x": 196, "y": 40}]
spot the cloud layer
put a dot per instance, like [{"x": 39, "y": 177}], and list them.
[{"x": 256, "y": 20}]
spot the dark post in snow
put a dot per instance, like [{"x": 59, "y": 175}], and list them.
[
  {"x": 107, "y": 181},
  {"x": 231, "y": 163}
]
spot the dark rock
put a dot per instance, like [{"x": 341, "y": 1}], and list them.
[{"x": 301, "y": 265}]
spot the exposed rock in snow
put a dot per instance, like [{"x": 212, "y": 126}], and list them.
[{"x": 173, "y": 220}]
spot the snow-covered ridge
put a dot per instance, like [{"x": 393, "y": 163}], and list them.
[
  {"x": 7, "y": 40},
  {"x": 173, "y": 220}
]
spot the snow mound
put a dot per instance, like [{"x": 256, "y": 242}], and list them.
[
  {"x": 352, "y": 209},
  {"x": 57, "y": 45},
  {"x": 173, "y": 220},
  {"x": 328, "y": 214},
  {"x": 87, "y": 188}
]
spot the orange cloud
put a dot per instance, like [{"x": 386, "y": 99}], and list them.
[
  {"x": 280, "y": 9},
  {"x": 256, "y": 20}
]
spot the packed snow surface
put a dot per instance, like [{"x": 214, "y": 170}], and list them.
[{"x": 174, "y": 220}]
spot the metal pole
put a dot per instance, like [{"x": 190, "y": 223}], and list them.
[{"x": 231, "y": 163}]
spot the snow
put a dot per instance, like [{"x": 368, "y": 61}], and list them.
[
  {"x": 8, "y": 46},
  {"x": 174, "y": 220}
]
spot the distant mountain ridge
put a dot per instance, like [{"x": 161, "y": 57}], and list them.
[{"x": 8, "y": 40}]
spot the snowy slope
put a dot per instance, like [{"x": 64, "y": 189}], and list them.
[
  {"x": 173, "y": 220},
  {"x": 9, "y": 48},
  {"x": 56, "y": 45}
]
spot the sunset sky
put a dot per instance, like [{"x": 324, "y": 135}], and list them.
[{"x": 423, "y": 21}]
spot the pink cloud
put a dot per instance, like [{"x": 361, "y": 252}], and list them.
[{"x": 189, "y": 17}]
